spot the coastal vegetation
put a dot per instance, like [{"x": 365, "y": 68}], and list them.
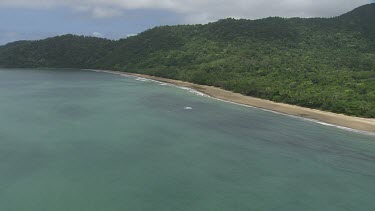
[{"x": 321, "y": 63}]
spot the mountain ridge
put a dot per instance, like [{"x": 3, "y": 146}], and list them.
[{"x": 323, "y": 63}]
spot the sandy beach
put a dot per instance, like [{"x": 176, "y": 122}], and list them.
[{"x": 356, "y": 123}]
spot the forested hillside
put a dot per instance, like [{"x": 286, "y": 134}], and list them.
[{"x": 323, "y": 63}]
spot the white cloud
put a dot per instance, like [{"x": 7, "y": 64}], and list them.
[
  {"x": 130, "y": 35},
  {"x": 201, "y": 10},
  {"x": 97, "y": 34}
]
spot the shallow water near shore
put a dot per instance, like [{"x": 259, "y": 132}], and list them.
[{"x": 79, "y": 140}]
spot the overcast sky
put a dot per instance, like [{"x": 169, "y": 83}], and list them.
[{"x": 36, "y": 19}]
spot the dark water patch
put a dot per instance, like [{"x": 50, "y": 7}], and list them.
[
  {"x": 73, "y": 111},
  {"x": 20, "y": 160},
  {"x": 70, "y": 92}
]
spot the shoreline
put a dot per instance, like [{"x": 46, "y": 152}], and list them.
[{"x": 322, "y": 117}]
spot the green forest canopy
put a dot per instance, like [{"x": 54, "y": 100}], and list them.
[{"x": 322, "y": 63}]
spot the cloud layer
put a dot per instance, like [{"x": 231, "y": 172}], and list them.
[{"x": 199, "y": 11}]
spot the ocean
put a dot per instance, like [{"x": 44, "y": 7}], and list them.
[{"x": 77, "y": 140}]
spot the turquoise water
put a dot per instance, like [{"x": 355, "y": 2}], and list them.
[{"x": 73, "y": 140}]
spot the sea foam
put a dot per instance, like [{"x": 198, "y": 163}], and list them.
[{"x": 198, "y": 93}]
